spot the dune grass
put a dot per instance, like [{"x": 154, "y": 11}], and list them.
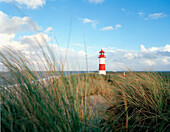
[
  {"x": 139, "y": 102},
  {"x": 33, "y": 105}
]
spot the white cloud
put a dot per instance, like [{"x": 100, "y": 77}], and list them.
[
  {"x": 82, "y": 52},
  {"x": 25, "y": 43},
  {"x": 166, "y": 48},
  {"x": 11, "y": 26},
  {"x": 156, "y": 16},
  {"x": 143, "y": 48},
  {"x": 123, "y": 9},
  {"x": 132, "y": 55},
  {"x": 29, "y": 45},
  {"x": 107, "y": 28},
  {"x": 154, "y": 58},
  {"x": 80, "y": 45},
  {"x": 118, "y": 26},
  {"x": 111, "y": 27},
  {"x": 141, "y": 13},
  {"x": 129, "y": 56},
  {"x": 34, "y": 39},
  {"x": 48, "y": 29},
  {"x": 90, "y": 21},
  {"x": 34, "y": 4},
  {"x": 157, "y": 58},
  {"x": 86, "y": 20},
  {"x": 150, "y": 62},
  {"x": 6, "y": 0},
  {"x": 96, "y": 1},
  {"x": 166, "y": 60},
  {"x": 16, "y": 24},
  {"x": 6, "y": 39}
]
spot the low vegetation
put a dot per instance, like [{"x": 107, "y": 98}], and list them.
[{"x": 139, "y": 102}]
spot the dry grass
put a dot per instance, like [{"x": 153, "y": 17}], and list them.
[
  {"x": 32, "y": 105},
  {"x": 139, "y": 102}
]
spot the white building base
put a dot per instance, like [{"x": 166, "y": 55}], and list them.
[{"x": 102, "y": 72}]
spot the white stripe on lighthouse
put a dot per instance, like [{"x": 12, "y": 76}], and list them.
[
  {"x": 102, "y": 72},
  {"x": 102, "y": 61}
]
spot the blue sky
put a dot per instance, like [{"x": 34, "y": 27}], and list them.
[{"x": 134, "y": 34}]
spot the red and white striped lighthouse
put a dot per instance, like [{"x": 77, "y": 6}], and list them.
[{"x": 102, "y": 69}]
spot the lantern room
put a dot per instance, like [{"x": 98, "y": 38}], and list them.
[{"x": 102, "y": 54}]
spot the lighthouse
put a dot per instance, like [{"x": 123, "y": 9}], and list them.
[{"x": 102, "y": 69}]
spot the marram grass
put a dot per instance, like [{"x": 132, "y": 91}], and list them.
[
  {"x": 139, "y": 102},
  {"x": 32, "y": 105}
]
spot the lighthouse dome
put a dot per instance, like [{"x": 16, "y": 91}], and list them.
[
  {"x": 101, "y": 51},
  {"x": 102, "y": 54}
]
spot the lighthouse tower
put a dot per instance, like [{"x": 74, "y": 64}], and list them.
[{"x": 102, "y": 69}]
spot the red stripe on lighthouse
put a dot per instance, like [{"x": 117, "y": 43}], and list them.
[{"x": 102, "y": 67}]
